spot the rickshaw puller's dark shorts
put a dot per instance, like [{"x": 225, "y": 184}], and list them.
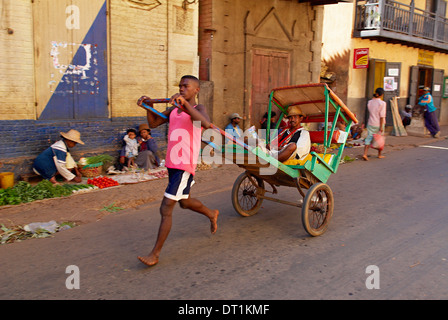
[{"x": 179, "y": 184}]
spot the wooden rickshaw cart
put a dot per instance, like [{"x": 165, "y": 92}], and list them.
[{"x": 310, "y": 175}]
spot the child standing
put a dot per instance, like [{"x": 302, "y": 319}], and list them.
[{"x": 131, "y": 146}]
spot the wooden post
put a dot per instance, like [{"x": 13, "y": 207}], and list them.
[{"x": 411, "y": 18}]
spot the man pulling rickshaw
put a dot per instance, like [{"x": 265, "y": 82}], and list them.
[{"x": 295, "y": 165}]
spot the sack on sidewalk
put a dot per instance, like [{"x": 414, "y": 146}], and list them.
[{"x": 378, "y": 142}]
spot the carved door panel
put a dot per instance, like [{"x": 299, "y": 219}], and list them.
[{"x": 270, "y": 69}]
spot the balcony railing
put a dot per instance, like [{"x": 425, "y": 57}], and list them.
[{"x": 408, "y": 22}]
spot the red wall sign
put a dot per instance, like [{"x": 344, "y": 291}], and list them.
[{"x": 361, "y": 58}]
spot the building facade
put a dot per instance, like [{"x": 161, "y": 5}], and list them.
[
  {"x": 400, "y": 46},
  {"x": 249, "y": 47},
  {"x": 83, "y": 64}
]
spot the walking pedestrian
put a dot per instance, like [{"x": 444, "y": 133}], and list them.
[
  {"x": 431, "y": 122},
  {"x": 376, "y": 122}
]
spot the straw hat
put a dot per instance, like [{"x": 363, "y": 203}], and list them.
[
  {"x": 144, "y": 126},
  {"x": 235, "y": 115},
  {"x": 72, "y": 135},
  {"x": 426, "y": 89},
  {"x": 295, "y": 111}
]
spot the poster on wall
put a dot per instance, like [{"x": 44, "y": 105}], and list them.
[
  {"x": 389, "y": 84},
  {"x": 361, "y": 58}
]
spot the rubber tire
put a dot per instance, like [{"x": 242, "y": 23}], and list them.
[
  {"x": 245, "y": 212},
  {"x": 307, "y": 211}
]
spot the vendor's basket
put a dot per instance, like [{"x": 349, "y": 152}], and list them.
[{"x": 91, "y": 170}]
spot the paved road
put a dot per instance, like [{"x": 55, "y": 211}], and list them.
[{"x": 390, "y": 213}]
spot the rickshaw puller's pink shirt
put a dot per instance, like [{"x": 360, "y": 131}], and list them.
[{"x": 184, "y": 142}]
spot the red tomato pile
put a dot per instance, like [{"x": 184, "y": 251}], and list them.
[{"x": 102, "y": 182}]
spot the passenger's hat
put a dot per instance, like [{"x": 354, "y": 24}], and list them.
[
  {"x": 295, "y": 111},
  {"x": 426, "y": 89},
  {"x": 235, "y": 115},
  {"x": 72, "y": 135},
  {"x": 144, "y": 126}
]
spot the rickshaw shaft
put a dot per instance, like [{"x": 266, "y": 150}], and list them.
[{"x": 290, "y": 203}]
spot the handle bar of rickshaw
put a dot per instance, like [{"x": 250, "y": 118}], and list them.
[{"x": 214, "y": 127}]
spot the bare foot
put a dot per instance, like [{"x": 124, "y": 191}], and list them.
[
  {"x": 214, "y": 222},
  {"x": 381, "y": 157},
  {"x": 365, "y": 158},
  {"x": 149, "y": 260}
]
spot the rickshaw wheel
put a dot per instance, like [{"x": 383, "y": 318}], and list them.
[
  {"x": 317, "y": 209},
  {"x": 245, "y": 198}
]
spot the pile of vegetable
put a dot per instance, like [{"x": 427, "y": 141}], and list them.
[
  {"x": 23, "y": 192},
  {"x": 102, "y": 182},
  {"x": 105, "y": 159},
  {"x": 79, "y": 188},
  {"x": 160, "y": 174}
]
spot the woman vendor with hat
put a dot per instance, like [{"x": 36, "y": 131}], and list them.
[
  {"x": 147, "y": 150},
  {"x": 57, "y": 159},
  {"x": 147, "y": 157}
]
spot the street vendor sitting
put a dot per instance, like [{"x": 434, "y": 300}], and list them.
[
  {"x": 294, "y": 141},
  {"x": 148, "y": 154},
  {"x": 233, "y": 127},
  {"x": 57, "y": 159},
  {"x": 148, "y": 151}
]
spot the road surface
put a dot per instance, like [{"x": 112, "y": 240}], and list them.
[{"x": 391, "y": 214}]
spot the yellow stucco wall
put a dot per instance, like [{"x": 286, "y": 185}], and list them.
[
  {"x": 337, "y": 39},
  {"x": 408, "y": 57}
]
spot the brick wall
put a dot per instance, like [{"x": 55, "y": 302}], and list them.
[
  {"x": 16, "y": 60},
  {"x": 151, "y": 48},
  {"x": 205, "y": 38},
  {"x": 138, "y": 55},
  {"x": 151, "y": 44},
  {"x": 23, "y": 140}
]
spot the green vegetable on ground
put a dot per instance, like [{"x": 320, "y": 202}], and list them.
[
  {"x": 111, "y": 208},
  {"x": 104, "y": 158},
  {"x": 23, "y": 192}
]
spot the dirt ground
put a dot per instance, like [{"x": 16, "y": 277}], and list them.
[{"x": 90, "y": 207}]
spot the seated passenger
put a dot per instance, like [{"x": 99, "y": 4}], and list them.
[{"x": 292, "y": 142}]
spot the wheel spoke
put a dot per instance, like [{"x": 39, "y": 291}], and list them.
[
  {"x": 247, "y": 195},
  {"x": 318, "y": 209}
]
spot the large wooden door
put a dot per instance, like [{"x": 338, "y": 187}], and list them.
[
  {"x": 379, "y": 70},
  {"x": 426, "y": 77},
  {"x": 437, "y": 89},
  {"x": 270, "y": 69},
  {"x": 70, "y": 39},
  {"x": 393, "y": 70},
  {"x": 413, "y": 86}
]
